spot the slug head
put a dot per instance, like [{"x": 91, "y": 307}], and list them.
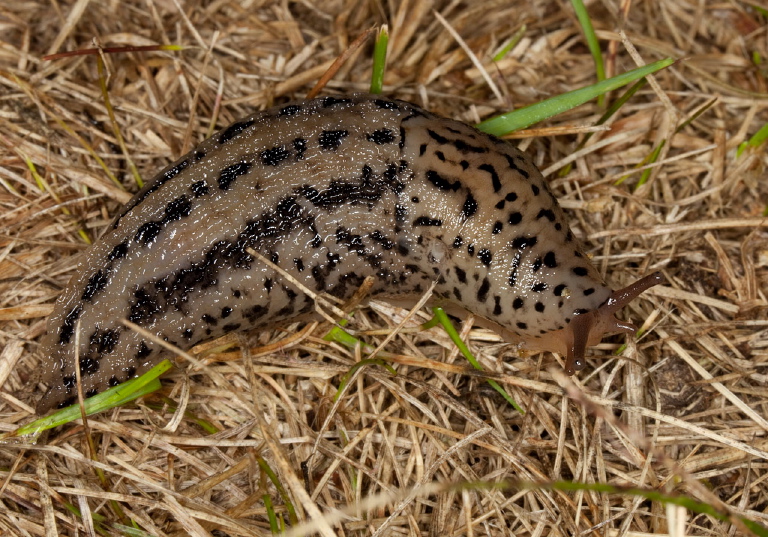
[{"x": 588, "y": 328}]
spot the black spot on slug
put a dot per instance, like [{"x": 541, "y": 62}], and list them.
[
  {"x": 147, "y": 232},
  {"x": 88, "y": 365},
  {"x": 274, "y": 156},
  {"x": 546, "y": 213},
  {"x": 143, "y": 351},
  {"x": 331, "y": 140},
  {"x": 515, "y": 218},
  {"x": 523, "y": 242},
  {"x": 199, "y": 188},
  {"x": 426, "y": 221},
  {"x": 485, "y": 256},
  {"x": 469, "y": 208},
  {"x": 539, "y": 287},
  {"x": 177, "y": 209},
  {"x": 550, "y": 260},
  {"x": 388, "y": 105},
  {"x": 233, "y": 130},
  {"x": 461, "y": 274},
  {"x": 381, "y": 137},
  {"x": 518, "y": 303},
  {"x": 497, "y": 227},
  {"x": 482, "y": 292},
  {"x": 230, "y": 173},
  {"x": 580, "y": 271},
  {"x": 558, "y": 291},
  {"x": 300, "y": 146},
  {"x": 119, "y": 251}
]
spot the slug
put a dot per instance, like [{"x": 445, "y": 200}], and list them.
[{"x": 331, "y": 190}]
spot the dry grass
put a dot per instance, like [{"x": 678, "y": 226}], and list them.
[{"x": 683, "y": 410}]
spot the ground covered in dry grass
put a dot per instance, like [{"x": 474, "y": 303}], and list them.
[{"x": 681, "y": 410}]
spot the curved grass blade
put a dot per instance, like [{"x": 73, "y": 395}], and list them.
[{"x": 525, "y": 117}]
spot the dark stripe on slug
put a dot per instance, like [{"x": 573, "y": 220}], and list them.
[
  {"x": 369, "y": 189},
  {"x": 389, "y": 105},
  {"x": 96, "y": 283},
  {"x": 234, "y": 129},
  {"x": 332, "y": 101},
  {"x": 438, "y": 138},
  {"x": 513, "y": 165},
  {"x": 441, "y": 182},
  {"x": 172, "y": 291},
  {"x": 67, "y": 329},
  {"x": 150, "y": 188},
  {"x": 290, "y": 110},
  {"x": 495, "y": 181}
]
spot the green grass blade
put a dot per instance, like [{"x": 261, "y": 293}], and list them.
[
  {"x": 113, "y": 397},
  {"x": 379, "y": 60},
  {"x": 592, "y": 43},
  {"x": 513, "y": 41},
  {"x": 525, "y": 117},
  {"x": 445, "y": 322}
]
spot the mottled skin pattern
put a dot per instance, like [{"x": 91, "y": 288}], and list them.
[{"x": 331, "y": 190}]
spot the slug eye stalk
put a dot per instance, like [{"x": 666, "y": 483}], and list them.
[{"x": 589, "y": 328}]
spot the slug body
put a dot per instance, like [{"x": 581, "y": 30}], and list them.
[{"x": 331, "y": 190}]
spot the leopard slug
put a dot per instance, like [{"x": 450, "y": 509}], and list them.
[{"x": 331, "y": 190}]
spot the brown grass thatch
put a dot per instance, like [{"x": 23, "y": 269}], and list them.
[{"x": 683, "y": 410}]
